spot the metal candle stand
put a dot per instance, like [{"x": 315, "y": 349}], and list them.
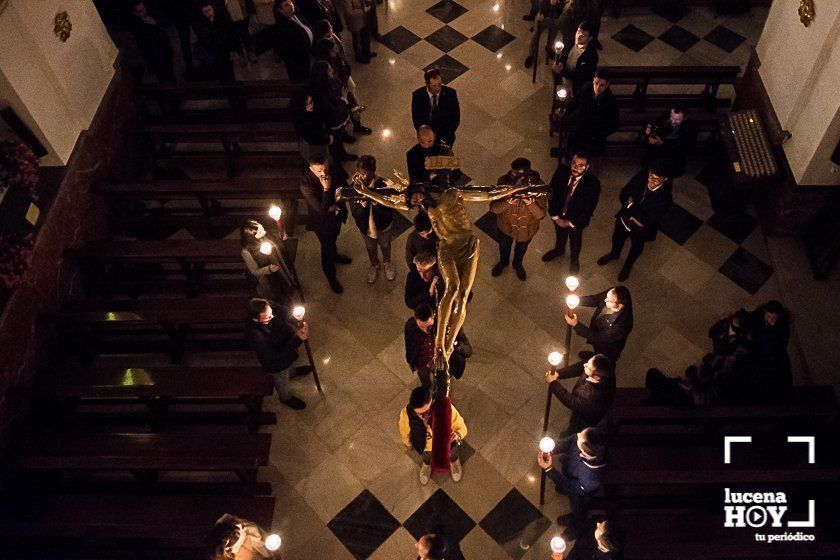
[{"x": 298, "y": 313}]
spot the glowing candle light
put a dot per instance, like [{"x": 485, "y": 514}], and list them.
[
  {"x": 546, "y": 445},
  {"x": 499, "y": 56},
  {"x": 275, "y": 212},
  {"x": 555, "y": 358},
  {"x": 265, "y": 248},
  {"x": 562, "y": 93},
  {"x": 572, "y": 283},
  {"x": 572, "y": 301},
  {"x": 558, "y": 46},
  {"x": 508, "y": 67},
  {"x": 558, "y": 545},
  {"x": 386, "y": 133},
  {"x": 496, "y": 7},
  {"x": 272, "y": 542},
  {"x": 298, "y": 312}
]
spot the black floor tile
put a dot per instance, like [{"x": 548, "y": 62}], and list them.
[
  {"x": 746, "y": 270},
  {"x": 449, "y": 68},
  {"x": 493, "y": 38},
  {"x": 633, "y": 38},
  {"x": 724, "y": 38},
  {"x": 440, "y": 514},
  {"x": 466, "y": 452},
  {"x": 400, "y": 225},
  {"x": 447, "y": 11},
  {"x": 515, "y": 523},
  {"x": 399, "y": 39},
  {"x": 679, "y": 38},
  {"x": 487, "y": 224},
  {"x": 446, "y": 38},
  {"x": 736, "y": 227},
  {"x": 679, "y": 224},
  {"x": 363, "y": 525}
]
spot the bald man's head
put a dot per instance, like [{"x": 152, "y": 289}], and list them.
[{"x": 425, "y": 137}]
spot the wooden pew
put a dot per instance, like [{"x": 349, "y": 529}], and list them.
[
  {"x": 806, "y": 402},
  {"x": 133, "y": 522},
  {"x": 194, "y": 258},
  {"x": 57, "y": 394},
  {"x": 145, "y": 455},
  {"x": 245, "y": 90}
]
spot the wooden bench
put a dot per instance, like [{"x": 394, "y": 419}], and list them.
[
  {"x": 277, "y": 160},
  {"x": 691, "y": 534},
  {"x": 57, "y": 394},
  {"x": 194, "y": 257},
  {"x": 244, "y": 90},
  {"x": 120, "y": 521},
  {"x": 144, "y": 455},
  {"x": 806, "y": 402},
  {"x": 220, "y": 321}
]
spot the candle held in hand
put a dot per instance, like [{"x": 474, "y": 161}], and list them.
[
  {"x": 546, "y": 445},
  {"x": 572, "y": 283},
  {"x": 265, "y": 248},
  {"x": 298, "y": 312},
  {"x": 275, "y": 212},
  {"x": 572, "y": 301},
  {"x": 558, "y": 545},
  {"x": 555, "y": 358},
  {"x": 272, "y": 542}
]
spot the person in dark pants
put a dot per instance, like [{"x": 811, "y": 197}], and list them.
[
  {"x": 428, "y": 145},
  {"x": 217, "y": 41},
  {"x": 374, "y": 221},
  {"x": 421, "y": 238},
  {"x": 182, "y": 13},
  {"x": 574, "y": 197},
  {"x": 592, "y": 394},
  {"x": 437, "y": 106},
  {"x": 577, "y": 470},
  {"x": 644, "y": 201},
  {"x": 275, "y": 341},
  {"x": 577, "y": 62},
  {"x": 517, "y": 218},
  {"x": 293, "y": 40},
  {"x": 611, "y": 322},
  {"x": 318, "y": 187},
  {"x": 356, "y": 16},
  {"x": 153, "y": 42},
  {"x": 592, "y": 116}
]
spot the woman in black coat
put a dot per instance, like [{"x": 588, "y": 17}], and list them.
[
  {"x": 273, "y": 277},
  {"x": 315, "y": 137}
]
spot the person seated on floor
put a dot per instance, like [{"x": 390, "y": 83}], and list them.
[
  {"x": 416, "y": 432},
  {"x": 696, "y": 388},
  {"x": 423, "y": 283},
  {"x": 421, "y": 238},
  {"x": 592, "y": 394},
  {"x": 730, "y": 333},
  {"x": 235, "y": 538},
  {"x": 577, "y": 469}
]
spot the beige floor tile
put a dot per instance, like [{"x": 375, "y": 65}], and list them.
[
  {"x": 329, "y": 487},
  {"x": 478, "y": 544},
  {"x": 398, "y": 545}
]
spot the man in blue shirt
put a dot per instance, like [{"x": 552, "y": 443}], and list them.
[{"x": 577, "y": 469}]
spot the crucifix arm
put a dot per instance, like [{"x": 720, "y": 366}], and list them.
[
  {"x": 396, "y": 201},
  {"x": 495, "y": 192}
]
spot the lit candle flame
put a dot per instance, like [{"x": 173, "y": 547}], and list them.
[
  {"x": 558, "y": 545},
  {"x": 272, "y": 542},
  {"x": 275, "y": 212},
  {"x": 558, "y": 46},
  {"x": 555, "y": 358},
  {"x": 265, "y": 248},
  {"x": 496, "y": 7},
  {"x": 298, "y": 312},
  {"x": 386, "y": 133},
  {"x": 572, "y": 301},
  {"x": 572, "y": 283},
  {"x": 562, "y": 93},
  {"x": 546, "y": 445}
]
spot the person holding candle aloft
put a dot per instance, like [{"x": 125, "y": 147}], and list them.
[
  {"x": 235, "y": 538},
  {"x": 577, "y": 469},
  {"x": 265, "y": 264},
  {"x": 610, "y": 325},
  {"x": 576, "y": 64},
  {"x": 592, "y": 394}
]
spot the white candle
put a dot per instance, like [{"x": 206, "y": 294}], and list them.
[
  {"x": 572, "y": 283},
  {"x": 275, "y": 212},
  {"x": 546, "y": 445},
  {"x": 555, "y": 358},
  {"x": 298, "y": 312},
  {"x": 272, "y": 542},
  {"x": 265, "y": 248},
  {"x": 572, "y": 301},
  {"x": 558, "y": 545}
]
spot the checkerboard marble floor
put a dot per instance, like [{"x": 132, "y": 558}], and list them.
[{"x": 346, "y": 487}]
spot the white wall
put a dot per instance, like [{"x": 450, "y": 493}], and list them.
[
  {"x": 54, "y": 87},
  {"x": 800, "y": 68}
]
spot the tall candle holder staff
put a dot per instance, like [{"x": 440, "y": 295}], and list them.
[
  {"x": 554, "y": 359},
  {"x": 275, "y": 213},
  {"x": 457, "y": 262},
  {"x": 546, "y": 447},
  {"x": 298, "y": 313}
]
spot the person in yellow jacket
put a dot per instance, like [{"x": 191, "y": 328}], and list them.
[{"x": 416, "y": 432}]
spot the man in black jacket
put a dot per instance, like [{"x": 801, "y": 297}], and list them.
[
  {"x": 275, "y": 341},
  {"x": 423, "y": 283},
  {"x": 592, "y": 394},
  {"x": 374, "y": 221},
  {"x": 671, "y": 138},
  {"x": 422, "y": 238},
  {"x": 293, "y": 40},
  {"x": 644, "y": 201},
  {"x": 428, "y": 145},
  {"x": 325, "y": 216},
  {"x": 577, "y": 63},
  {"x": 611, "y": 322},
  {"x": 574, "y": 197},
  {"x": 153, "y": 42},
  {"x": 592, "y": 116},
  {"x": 216, "y": 41},
  {"x": 436, "y": 105}
]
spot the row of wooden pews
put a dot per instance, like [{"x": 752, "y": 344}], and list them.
[
  {"x": 127, "y": 456},
  {"x": 667, "y": 477}
]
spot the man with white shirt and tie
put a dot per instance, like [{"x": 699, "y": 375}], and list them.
[
  {"x": 293, "y": 40},
  {"x": 574, "y": 197},
  {"x": 436, "y": 105}
]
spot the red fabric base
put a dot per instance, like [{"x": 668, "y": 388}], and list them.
[{"x": 441, "y": 434}]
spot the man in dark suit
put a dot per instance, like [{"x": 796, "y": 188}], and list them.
[
  {"x": 428, "y": 146},
  {"x": 293, "y": 38},
  {"x": 592, "y": 394},
  {"x": 577, "y": 62},
  {"x": 671, "y": 138},
  {"x": 275, "y": 340},
  {"x": 318, "y": 186},
  {"x": 611, "y": 322},
  {"x": 216, "y": 41},
  {"x": 574, "y": 197},
  {"x": 592, "y": 116},
  {"x": 577, "y": 469},
  {"x": 644, "y": 201},
  {"x": 436, "y": 105}
]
